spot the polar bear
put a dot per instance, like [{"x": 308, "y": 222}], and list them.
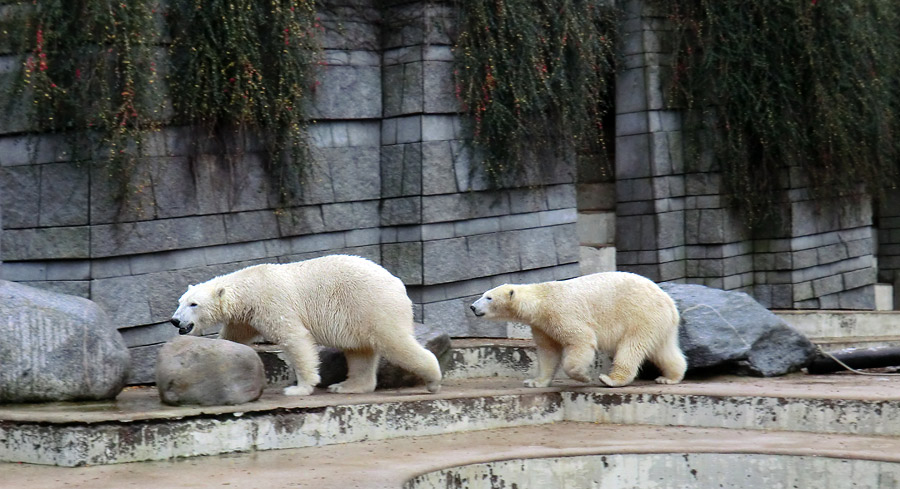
[
  {"x": 342, "y": 301},
  {"x": 620, "y": 313}
]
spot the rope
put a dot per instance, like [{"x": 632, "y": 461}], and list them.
[{"x": 848, "y": 367}]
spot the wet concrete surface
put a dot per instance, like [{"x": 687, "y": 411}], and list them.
[{"x": 388, "y": 463}]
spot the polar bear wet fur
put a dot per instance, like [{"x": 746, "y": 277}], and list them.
[
  {"x": 342, "y": 301},
  {"x": 623, "y": 314}
]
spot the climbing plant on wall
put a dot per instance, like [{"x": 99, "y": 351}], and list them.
[
  {"x": 790, "y": 83},
  {"x": 239, "y": 64},
  {"x": 93, "y": 70},
  {"x": 89, "y": 69},
  {"x": 534, "y": 74}
]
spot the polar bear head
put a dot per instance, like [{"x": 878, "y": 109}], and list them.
[
  {"x": 497, "y": 303},
  {"x": 198, "y": 309}
]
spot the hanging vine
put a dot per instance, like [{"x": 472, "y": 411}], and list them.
[
  {"x": 91, "y": 71},
  {"x": 534, "y": 74},
  {"x": 781, "y": 84},
  {"x": 247, "y": 64}
]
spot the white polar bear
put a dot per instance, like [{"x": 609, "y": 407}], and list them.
[
  {"x": 621, "y": 313},
  {"x": 342, "y": 301}
]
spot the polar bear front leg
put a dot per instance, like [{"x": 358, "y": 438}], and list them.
[
  {"x": 303, "y": 355},
  {"x": 549, "y": 353},
  {"x": 577, "y": 360}
]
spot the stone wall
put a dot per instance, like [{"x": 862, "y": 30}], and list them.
[
  {"x": 889, "y": 243},
  {"x": 673, "y": 223},
  {"x": 391, "y": 180}
]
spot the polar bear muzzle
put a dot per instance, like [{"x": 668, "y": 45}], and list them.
[{"x": 182, "y": 328}]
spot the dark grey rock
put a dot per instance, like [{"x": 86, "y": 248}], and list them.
[
  {"x": 56, "y": 347},
  {"x": 208, "y": 372},
  {"x": 730, "y": 331}
]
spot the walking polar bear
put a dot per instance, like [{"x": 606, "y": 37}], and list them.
[
  {"x": 620, "y": 313},
  {"x": 342, "y": 301}
]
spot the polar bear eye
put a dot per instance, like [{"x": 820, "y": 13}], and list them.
[
  {"x": 193, "y": 304},
  {"x": 488, "y": 298}
]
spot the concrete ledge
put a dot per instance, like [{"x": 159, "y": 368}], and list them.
[
  {"x": 837, "y": 330},
  {"x": 402, "y": 462},
  {"x": 724, "y": 470},
  {"x": 136, "y": 427}
]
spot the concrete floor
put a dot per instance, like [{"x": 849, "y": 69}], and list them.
[{"x": 389, "y": 463}]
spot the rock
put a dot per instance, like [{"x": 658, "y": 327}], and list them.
[
  {"x": 57, "y": 347},
  {"x": 208, "y": 372},
  {"x": 731, "y": 332}
]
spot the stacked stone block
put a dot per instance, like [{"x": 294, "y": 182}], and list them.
[
  {"x": 391, "y": 179},
  {"x": 673, "y": 221},
  {"x": 650, "y": 181},
  {"x": 889, "y": 243},
  {"x": 453, "y": 238}
]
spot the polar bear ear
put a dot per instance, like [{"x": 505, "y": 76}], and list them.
[
  {"x": 220, "y": 292},
  {"x": 511, "y": 292}
]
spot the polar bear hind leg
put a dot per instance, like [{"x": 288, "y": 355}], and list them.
[
  {"x": 629, "y": 356},
  {"x": 362, "y": 367},
  {"x": 670, "y": 361},
  {"x": 405, "y": 352}
]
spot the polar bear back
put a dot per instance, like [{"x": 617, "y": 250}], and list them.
[
  {"x": 613, "y": 304},
  {"x": 343, "y": 301}
]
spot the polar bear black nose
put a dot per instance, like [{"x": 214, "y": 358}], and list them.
[
  {"x": 175, "y": 322},
  {"x": 472, "y": 307}
]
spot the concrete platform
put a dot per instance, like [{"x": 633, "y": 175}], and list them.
[{"x": 482, "y": 423}]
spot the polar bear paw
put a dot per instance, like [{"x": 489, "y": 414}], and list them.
[
  {"x": 433, "y": 387},
  {"x": 609, "y": 382},
  {"x": 535, "y": 383},
  {"x": 345, "y": 388},
  {"x": 666, "y": 380},
  {"x": 298, "y": 390}
]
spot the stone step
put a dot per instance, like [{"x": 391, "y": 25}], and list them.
[
  {"x": 136, "y": 427},
  {"x": 854, "y": 326},
  {"x": 564, "y": 454}
]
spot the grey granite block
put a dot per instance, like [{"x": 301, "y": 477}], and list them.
[
  {"x": 64, "y": 194},
  {"x": 250, "y": 226},
  {"x": 162, "y": 235},
  {"x": 438, "y": 172},
  {"x": 20, "y": 195},
  {"x": 45, "y": 243},
  {"x": 348, "y": 92},
  {"x": 404, "y": 260},
  {"x": 295, "y": 221},
  {"x": 404, "y": 210},
  {"x": 350, "y": 215}
]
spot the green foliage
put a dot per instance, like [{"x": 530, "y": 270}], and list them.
[
  {"x": 241, "y": 64},
  {"x": 92, "y": 71},
  {"x": 533, "y": 75},
  {"x": 788, "y": 83}
]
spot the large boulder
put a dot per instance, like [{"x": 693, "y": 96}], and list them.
[
  {"x": 57, "y": 347},
  {"x": 208, "y": 372},
  {"x": 730, "y": 331}
]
